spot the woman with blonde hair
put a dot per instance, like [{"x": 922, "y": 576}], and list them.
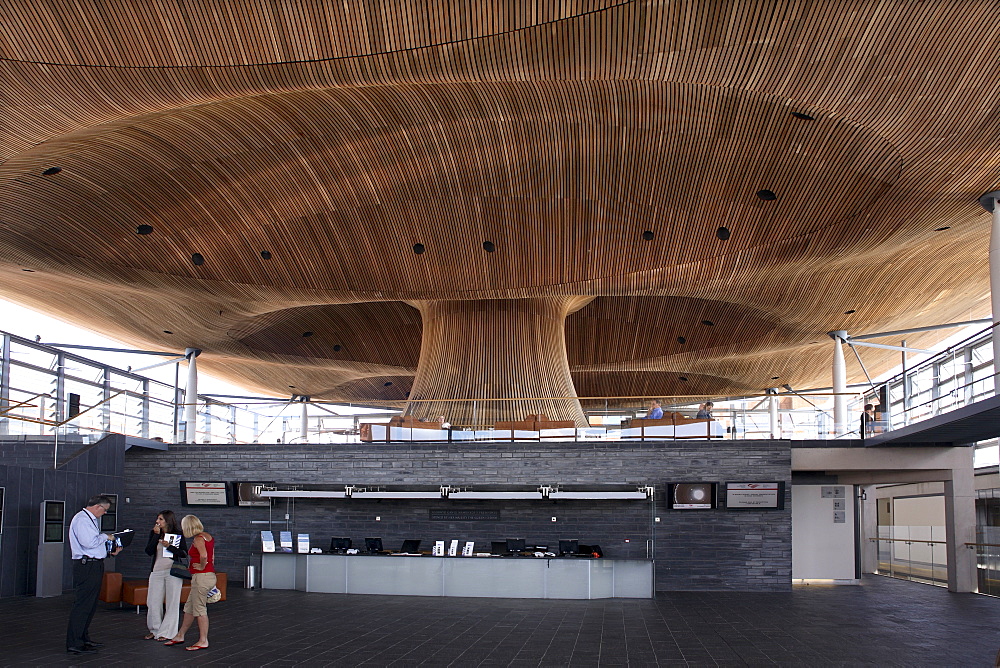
[{"x": 202, "y": 553}]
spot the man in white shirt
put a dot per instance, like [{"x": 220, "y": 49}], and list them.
[{"x": 89, "y": 548}]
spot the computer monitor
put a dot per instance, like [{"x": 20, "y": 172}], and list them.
[
  {"x": 515, "y": 545},
  {"x": 410, "y": 546},
  {"x": 498, "y": 547},
  {"x": 568, "y": 547},
  {"x": 373, "y": 545},
  {"x": 340, "y": 544}
]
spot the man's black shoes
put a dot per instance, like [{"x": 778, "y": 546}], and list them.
[
  {"x": 93, "y": 644},
  {"x": 81, "y": 650}
]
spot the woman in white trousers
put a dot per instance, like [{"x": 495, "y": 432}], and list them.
[{"x": 166, "y": 545}]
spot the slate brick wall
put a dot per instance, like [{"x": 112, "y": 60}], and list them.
[
  {"x": 97, "y": 470},
  {"x": 694, "y": 550}
]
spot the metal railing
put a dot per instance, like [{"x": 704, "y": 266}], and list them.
[{"x": 916, "y": 553}]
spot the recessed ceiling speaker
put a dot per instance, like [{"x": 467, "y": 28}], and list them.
[
  {"x": 144, "y": 229},
  {"x": 767, "y": 195},
  {"x": 52, "y": 170},
  {"x": 723, "y": 233},
  {"x": 489, "y": 246},
  {"x": 198, "y": 259}
]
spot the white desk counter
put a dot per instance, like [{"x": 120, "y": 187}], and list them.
[{"x": 489, "y": 577}]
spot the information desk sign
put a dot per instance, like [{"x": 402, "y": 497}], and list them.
[{"x": 755, "y": 495}]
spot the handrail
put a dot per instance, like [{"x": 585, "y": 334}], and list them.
[
  {"x": 912, "y": 540},
  {"x": 24, "y": 403},
  {"x": 971, "y": 545}
]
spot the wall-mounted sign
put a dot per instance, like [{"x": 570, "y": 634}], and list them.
[
  {"x": 755, "y": 495},
  {"x": 204, "y": 493}
]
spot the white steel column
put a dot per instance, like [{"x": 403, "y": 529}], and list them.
[
  {"x": 989, "y": 202},
  {"x": 305, "y": 419},
  {"x": 840, "y": 422},
  {"x": 772, "y": 412},
  {"x": 191, "y": 397}
]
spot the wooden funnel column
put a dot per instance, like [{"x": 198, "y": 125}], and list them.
[{"x": 511, "y": 349}]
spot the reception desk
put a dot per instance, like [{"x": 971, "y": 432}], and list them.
[{"x": 489, "y": 577}]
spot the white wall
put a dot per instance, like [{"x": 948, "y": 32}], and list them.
[{"x": 823, "y": 548}]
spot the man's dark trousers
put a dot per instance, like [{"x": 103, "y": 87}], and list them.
[{"x": 87, "y": 578}]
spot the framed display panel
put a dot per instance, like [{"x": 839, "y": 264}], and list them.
[
  {"x": 248, "y": 493},
  {"x": 768, "y": 495},
  {"x": 109, "y": 520},
  {"x": 205, "y": 493},
  {"x": 691, "y": 495},
  {"x": 53, "y": 521}
]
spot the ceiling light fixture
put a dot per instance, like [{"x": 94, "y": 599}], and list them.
[
  {"x": 51, "y": 171},
  {"x": 198, "y": 259},
  {"x": 336, "y": 349},
  {"x": 681, "y": 340},
  {"x": 265, "y": 255},
  {"x": 307, "y": 334},
  {"x": 684, "y": 378},
  {"x": 30, "y": 271},
  {"x": 418, "y": 248},
  {"x": 723, "y": 233},
  {"x": 167, "y": 331},
  {"x": 708, "y": 323},
  {"x": 387, "y": 383},
  {"x": 648, "y": 235},
  {"x": 942, "y": 229},
  {"x": 849, "y": 312},
  {"x": 144, "y": 229},
  {"x": 803, "y": 117},
  {"x": 489, "y": 246},
  {"x": 767, "y": 195}
]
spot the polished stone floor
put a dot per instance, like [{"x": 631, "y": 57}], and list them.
[{"x": 882, "y": 622}]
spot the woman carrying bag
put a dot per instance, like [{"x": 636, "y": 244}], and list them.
[{"x": 163, "y": 600}]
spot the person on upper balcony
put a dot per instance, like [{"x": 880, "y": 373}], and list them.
[
  {"x": 705, "y": 411},
  {"x": 655, "y": 411}
]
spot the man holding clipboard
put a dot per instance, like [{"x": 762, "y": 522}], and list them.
[{"x": 89, "y": 548}]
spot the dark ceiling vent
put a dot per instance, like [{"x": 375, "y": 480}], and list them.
[
  {"x": 767, "y": 195},
  {"x": 51, "y": 171},
  {"x": 198, "y": 259},
  {"x": 144, "y": 229},
  {"x": 648, "y": 235},
  {"x": 723, "y": 233}
]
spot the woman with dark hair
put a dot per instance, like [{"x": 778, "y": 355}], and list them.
[{"x": 163, "y": 601}]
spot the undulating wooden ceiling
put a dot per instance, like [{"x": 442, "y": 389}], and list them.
[{"x": 357, "y": 200}]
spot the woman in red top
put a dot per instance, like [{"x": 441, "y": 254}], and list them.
[{"x": 202, "y": 553}]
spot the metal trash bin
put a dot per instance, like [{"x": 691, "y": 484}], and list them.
[{"x": 250, "y": 578}]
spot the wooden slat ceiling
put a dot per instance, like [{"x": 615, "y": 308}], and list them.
[{"x": 291, "y": 158}]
